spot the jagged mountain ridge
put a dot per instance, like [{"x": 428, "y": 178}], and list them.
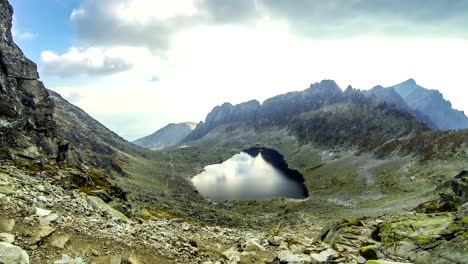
[
  {"x": 432, "y": 104},
  {"x": 391, "y": 97},
  {"x": 323, "y": 114},
  {"x": 168, "y": 136}
]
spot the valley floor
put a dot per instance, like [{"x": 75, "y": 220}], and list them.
[{"x": 57, "y": 224}]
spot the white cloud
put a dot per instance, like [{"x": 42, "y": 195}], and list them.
[
  {"x": 92, "y": 62},
  {"x": 201, "y": 60}
]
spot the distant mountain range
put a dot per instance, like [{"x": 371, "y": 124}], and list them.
[
  {"x": 293, "y": 111},
  {"x": 323, "y": 114},
  {"x": 167, "y": 136}
]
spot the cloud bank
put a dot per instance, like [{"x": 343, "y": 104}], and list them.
[{"x": 91, "y": 62}]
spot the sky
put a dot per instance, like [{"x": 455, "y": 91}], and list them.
[{"x": 137, "y": 65}]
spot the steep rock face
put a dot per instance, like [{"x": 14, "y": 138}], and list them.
[
  {"x": 392, "y": 98},
  {"x": 282, "y": 107},
  {"x": 226, "y": 114},
  {"x": 167, "y": 136},
  {"x": 27, "y": 129},
  {"x": 432, "y": 104}
]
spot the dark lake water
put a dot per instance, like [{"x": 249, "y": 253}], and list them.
[{"x": 253, "y": 174}]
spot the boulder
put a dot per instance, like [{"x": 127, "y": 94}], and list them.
[
  {"x": 5, "y": 237},
  {"x": 324, "y": 256},
  {"x": 41, "y": 233},
  {"x": 287, "y": 256},
  {"x": 12, "y": 254},
  {"x": 42, "y": 212},
  {"x": 68, "y": 260},
  {"x": 98, "y": 204},
  {"x": 252, "y": 245}
]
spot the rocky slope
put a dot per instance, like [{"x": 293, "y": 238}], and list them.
[
  {"x": 43, "y": 221},
  {"x": 86, "y": 141},
  {"x": 432, "y": 104},
  {"x": 167, "y": 136}
]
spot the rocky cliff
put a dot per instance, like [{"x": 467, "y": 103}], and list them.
[
  {"x": 226, "y": 114},
  {"x": 27, "y": 129}
]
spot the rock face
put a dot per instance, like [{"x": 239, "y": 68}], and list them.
[
  {"x": 225, "y": 114},
  {"x": 432, "y": 104},
  {"x": 392, "y": 98},
  {"x": 27, "y": 129},
  {"x": 167, "y": 136},
  {"x": 322, "y": 114}
]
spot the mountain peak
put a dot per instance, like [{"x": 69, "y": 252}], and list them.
[
  {"x": 410, "y": 82},
  {"x": 326, "y": 86}
]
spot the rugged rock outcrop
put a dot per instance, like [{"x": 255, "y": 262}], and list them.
[
  {"x": 167, "y": 136},
  {"x": 281, "y": 108},
  {"x": 432, "y": 104},
  {"x": 226, "y": 114},
  {"x": 27, "y": 129}
]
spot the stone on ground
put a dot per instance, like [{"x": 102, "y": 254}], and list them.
[{"x": 12, "y": 254}]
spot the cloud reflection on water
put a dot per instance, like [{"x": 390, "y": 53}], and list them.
[{"x": 244, "y": 177}]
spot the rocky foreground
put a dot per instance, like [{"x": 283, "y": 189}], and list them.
[{"x": 42, "y": 221}]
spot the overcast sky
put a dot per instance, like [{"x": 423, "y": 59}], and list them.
[{"x": 136, "y": 65}]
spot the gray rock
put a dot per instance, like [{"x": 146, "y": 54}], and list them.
[
  {"x": 324, "y": 256},
  {"x": 51, "y": 218},
  {"x": 287, "y": 256},
  {"x": 42, "y": 212},
  {"x": 8, "y": 238},
  {"x": 98, "y": 204},
  {"x": 252, "y": 245},
  {"x": 275, "y": 241},
  {"x": 10, "y": 254},
  {"x": 68, "y": 260}
]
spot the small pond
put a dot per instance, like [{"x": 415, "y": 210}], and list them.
[{"x": 253, "y": 174}]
